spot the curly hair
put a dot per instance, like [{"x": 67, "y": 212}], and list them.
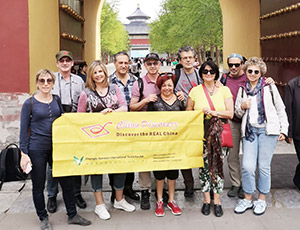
[{"x": 258, "y": 62}]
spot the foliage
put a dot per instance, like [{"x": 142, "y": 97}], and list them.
[
  {"x": 187, "y": 22},
  {"x": 114, "y": 37}
]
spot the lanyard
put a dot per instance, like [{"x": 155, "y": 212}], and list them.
[
  {"x": 70, "y": 87},
  {"x": 190, "y": 80}
]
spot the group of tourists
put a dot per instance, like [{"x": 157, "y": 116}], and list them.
[{"x": 244, "y": 97}]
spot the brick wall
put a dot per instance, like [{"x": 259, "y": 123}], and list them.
[{"x": 10, "y": 111}]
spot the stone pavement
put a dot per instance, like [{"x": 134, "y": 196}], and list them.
[{"x": 17, "y": 210}]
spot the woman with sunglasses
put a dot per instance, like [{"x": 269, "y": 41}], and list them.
[
  {"x": 211, "y": 175},
  {"x": 166, "y": 101},
  {"x": 101, "y": 97},
  {"x": 37, "y": 116},
  {"x": 264, "y": 122}
]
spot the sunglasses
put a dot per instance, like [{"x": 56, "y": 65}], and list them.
[
  {"x": 250, "y": 71},
  {"x": 234, "y": 64},
  {"x": 42, "y": 81},
  {"x": 152, "y": 63},
  {"x": 205, "y": 71},
  {"x": 166, "y": 74}
]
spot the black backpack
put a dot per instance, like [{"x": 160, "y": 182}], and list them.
[{"x": 10, "y": 169}]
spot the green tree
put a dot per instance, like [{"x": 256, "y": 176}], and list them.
[
  {"x": 188, "y": 22},
  {"x": 114, "y": 37}
]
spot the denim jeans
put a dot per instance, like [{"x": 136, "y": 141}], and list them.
[
  {"x": 52, "y": 184},
  {"x": 118, "y": 178},
  {"x": 39, "y": 161},
  {"x": 258, "y": 154}
]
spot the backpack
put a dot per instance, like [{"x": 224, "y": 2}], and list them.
[
  {"x": 134, "y": 68},
  {"x": 10, "y": 169},
  {"x": 223, "y": 79}
]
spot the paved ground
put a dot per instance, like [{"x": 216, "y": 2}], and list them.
[{"x": 17, "y": 210}]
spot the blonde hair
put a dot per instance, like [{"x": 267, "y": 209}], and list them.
[
  {"x": 44, "y": 72},
  {"x": 90, "y": 72},
  {"x": 258, "y": 62}
]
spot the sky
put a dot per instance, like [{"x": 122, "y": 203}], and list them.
[{"x": 149, "y": 7}]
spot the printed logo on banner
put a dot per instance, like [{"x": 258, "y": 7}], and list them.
[
  {"x": 77, "y": 161},
  {"x": 98, "y": 130}
]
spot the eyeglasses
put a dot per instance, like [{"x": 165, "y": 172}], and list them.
[
  {"x": 206, "y": 71},
  {"x": 42, "y": 80},
  {"x": 166, "y": 74},
  {"x": 250, "y": 71},
  {"x": 234, "y": 64},
  {"x": 152, "y": 63}
]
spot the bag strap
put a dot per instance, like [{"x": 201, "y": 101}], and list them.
[
  {"x": 141, "y": 88},
  {"x": 208, "y": 98},
  {"x": 272, "y": 95}
]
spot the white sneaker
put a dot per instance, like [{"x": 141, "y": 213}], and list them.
[
  {"x": 242, "y": 206},
  {"x": 124, "y": 205},
  {"x": 102, "y": 212},
  {"x": 259, "y": 207}
]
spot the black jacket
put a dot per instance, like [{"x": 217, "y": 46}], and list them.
[{"x": 292, "y": 102}]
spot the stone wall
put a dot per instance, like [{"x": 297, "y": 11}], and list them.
[{"x": 10, "y": 111}]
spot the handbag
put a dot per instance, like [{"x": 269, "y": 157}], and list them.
[{"x": 226, "y": 136}]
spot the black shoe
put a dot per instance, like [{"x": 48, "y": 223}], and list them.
[
  {"x": 128, "y": 191},
  {"x": 241, "y": 193},
  {"x": 80, "y": 201},
  {"x": 233, "y": 192},
  {"x": 145, "y": 203},
  {"x": 113, "y": 195},
  {"x": 79, "y": 220},
  {"x": 218, "y": 210},
  {"x": 51, "y": 204},
  {"x": 205, "y": 209},
  {"x": 189, "y": 191}
]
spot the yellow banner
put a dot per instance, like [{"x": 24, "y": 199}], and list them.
[{"x": 93, "y": 143}]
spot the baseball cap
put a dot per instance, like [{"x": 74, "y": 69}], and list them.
[
  {"x": 152, "y": 56},
  {"x": 63, "y": 53}
]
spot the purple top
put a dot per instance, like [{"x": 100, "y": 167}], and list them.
[
  {"x": 89, "y": 101},
  {"x": 234, "y": 83},
  {"x": 149, "y": 88}
]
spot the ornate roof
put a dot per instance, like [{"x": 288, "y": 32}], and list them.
[
  {"x": 138, "y": 14},
  {"x": 137, "y": 25}
]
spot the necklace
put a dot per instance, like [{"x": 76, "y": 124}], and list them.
[{"x": 210, "y": 92}]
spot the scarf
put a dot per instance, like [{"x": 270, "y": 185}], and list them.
[
  {"x": 260, "y": 107},
  {"x": 214, "y": 149}
]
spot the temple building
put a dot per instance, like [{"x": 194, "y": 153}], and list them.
[{"x": 138, "y": 31}]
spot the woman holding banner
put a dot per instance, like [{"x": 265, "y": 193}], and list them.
[
  {"x": 37, "y": 116},
  {"x": 100, "y": 96},
  {"x": 211, "y": 175},
  {"x": 166, "y": 101}
]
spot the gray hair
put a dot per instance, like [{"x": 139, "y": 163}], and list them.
[
  {"x": 121, "y": 53},
  {"x": 258, "y": 62},
  {"x": 186, "y": 49}
]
